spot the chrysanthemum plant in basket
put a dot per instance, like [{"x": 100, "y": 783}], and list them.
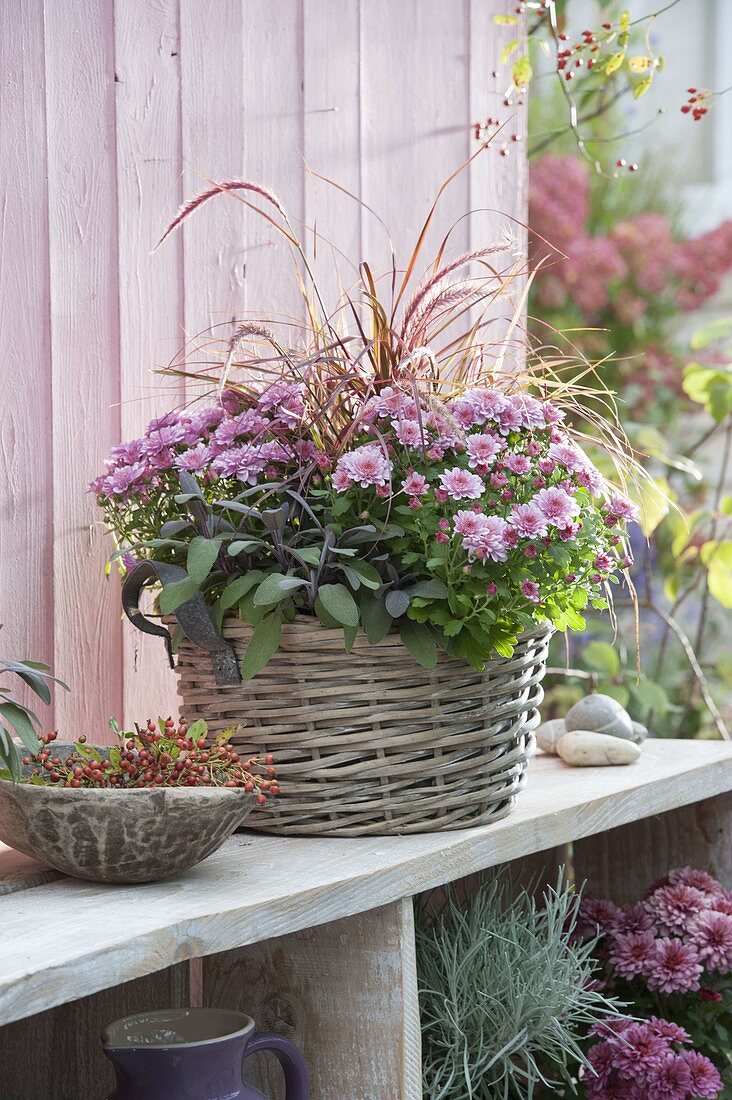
[{"x": 383, "y": 474}]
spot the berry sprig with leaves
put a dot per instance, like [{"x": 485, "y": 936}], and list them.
[{"x": 160, "y": 754}]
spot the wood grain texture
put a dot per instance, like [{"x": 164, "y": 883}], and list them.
[
  {"x": 415, "y": 124},
  {"x": 20, "y": 872},
  {"x": 26, "y": 490},
  {"x": 57, "y": 1055},
  {"x": 257, "y": 887},
  {"x": 212, "y": 119},
  {"x": 622, "y": 863},
  {"x": 84, "y": 372},
  {"x": 344, "y": 992},
  {"x": 148, "y": 129}
]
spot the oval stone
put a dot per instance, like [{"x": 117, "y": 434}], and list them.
[
  {"x": 586, "y": 749},
  {"x": 548, "y": 733},
  {"x": 640, "y": 732},
  {"x": 600, "y": 714}
]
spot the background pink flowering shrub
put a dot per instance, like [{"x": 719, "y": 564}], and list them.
[
  {"x": 626, "y": 277},
  {"x": 670, "y": 958},
  {"x": 461, "y": 523}
]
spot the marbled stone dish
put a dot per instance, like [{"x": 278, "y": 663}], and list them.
[{"x": 106, "y": 835}]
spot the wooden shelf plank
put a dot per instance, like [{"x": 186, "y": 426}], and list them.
[{"x": 258, "y": 887}]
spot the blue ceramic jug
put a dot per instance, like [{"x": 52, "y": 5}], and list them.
[{"x": 194, "y": 1054}]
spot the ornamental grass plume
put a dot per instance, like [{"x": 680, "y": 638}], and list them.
[
  {"x": 507, "y": 994},
  {"x": 326, "y": 474}
]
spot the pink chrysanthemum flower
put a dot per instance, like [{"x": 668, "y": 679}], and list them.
[
  {"x": 674, "y": 967},
  {"x": 700, "y": 880},
  {"x": 711, "y": 932},
  {"x": 467, "y": 522},
  {"x": 640, "y": 1054},
  {"x": 119, "y": 482},
  {"x": 671, "y": 1080},
  {"x": 528, "y": 521},
  {"x": 705, "y": 1079},
  {"x": 631, "y": 953},
  {"x": 596, "y": 916},
  {"x": 567, "y": 456},
  {"x": 531, "y": 590},
  {"x": 674, "y": 907},
  {"x": 667, "y": 1029},
  {"x": 461, "y": 484},
  {"x": 722, "y": 904},
  {"x": 557, "y": 506},
  {"x": 619, "y": 508},
  {"x": 489, "y": 541},
  {"x": 633, "y": 919},
  {"x": 195, "y": 459},
  {"x": 366, "y": 466},
  {"x": 518, "y": 464},
  {"x": 482, "y": 450},
  {"x": 409, "y": 432},
  {"x": 414, "y": 484}
]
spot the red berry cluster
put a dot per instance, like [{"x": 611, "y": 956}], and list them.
[
  {"x": 695, "y": 104},
  {"x": 580, "y": 54},
  {"x": 160, "y": 755}
]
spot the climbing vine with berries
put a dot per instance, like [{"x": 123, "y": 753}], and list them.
[{"x": 596, "y": 70}]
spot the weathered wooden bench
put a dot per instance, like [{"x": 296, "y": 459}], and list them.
[{"x": 315, "y": 938}]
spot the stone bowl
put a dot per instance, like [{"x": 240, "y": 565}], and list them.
[{"x": 107, "y": 835}]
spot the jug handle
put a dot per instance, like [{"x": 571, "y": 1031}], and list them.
[{"x": 297, "y": 1083}]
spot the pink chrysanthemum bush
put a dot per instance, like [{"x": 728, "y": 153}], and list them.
[
  {"x": 393, "y": 476},
  {"x": 670, "y": 959}
]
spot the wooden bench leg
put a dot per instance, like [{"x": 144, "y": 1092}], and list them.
[
  {"x": 345, "y": 992},
  {"x": 622, "y": 863}
]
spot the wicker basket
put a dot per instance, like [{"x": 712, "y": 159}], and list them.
[{"x": 369, "y": 742}]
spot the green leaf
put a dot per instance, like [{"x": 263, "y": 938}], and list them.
[
  {"x": 602, "y": 657},
  {"x": 642, "y": 87},
  {"x": 202, "y": 554},
  {"x": 309, "y": 554},
  {"x": 367, "y": 572},
  {"x": 17, "y": 717},
  {"x": 197, "y": 729},
  {"x": 375, "y": 618},
  {"x": 263, "y": 644},
  {"x": 420, "y": 643},
  {"x": 339, "y": 603},
  {"x": 177, "y": 593},
  {"x": 521, "y": 72},
  {"x": 244, "y": 546},
  {"x": 613, "y": 63},
  {"x": 239, "y": 587},
  {"x": 349, "y": 636},
  {"x": 397, "y": 602},
  {"x": 433, "y": 589},
  {"x": 507, "y": 50},
  {"x": 651, "y": 696},
  {"x": 719, "y": 576},
  {"x": 275, "y": 587},
  {"x": 505, "y": 20},
  {"x": 711, "y": 332}
]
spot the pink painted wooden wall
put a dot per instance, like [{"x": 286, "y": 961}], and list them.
[{"x": 111, "y": 112}]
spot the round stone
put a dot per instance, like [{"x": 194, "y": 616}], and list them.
[
  {"x": 600, "y": 714},
  {"x": 585, "y": 749},
  {"x": 549, "y": 733},
  {"x": 640, "y": 732}
]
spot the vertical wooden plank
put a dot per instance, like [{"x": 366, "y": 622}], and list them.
[
  {"x": 213, "y": 136},
  {"x": 622, "y": 863},
  {"x": 332, "y": 140},
  {"x": 416, "y": 122},
  {"x": 57, "y": 1055},
  {"x": 272, "y": 139},
  {"x": 499, "y": 177},
  {"x": 147, "y": 51},
  {"x": 345, "y": 992},
  {"x": 26, "y": 488},
  {"x": 82, "y": 214}
]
